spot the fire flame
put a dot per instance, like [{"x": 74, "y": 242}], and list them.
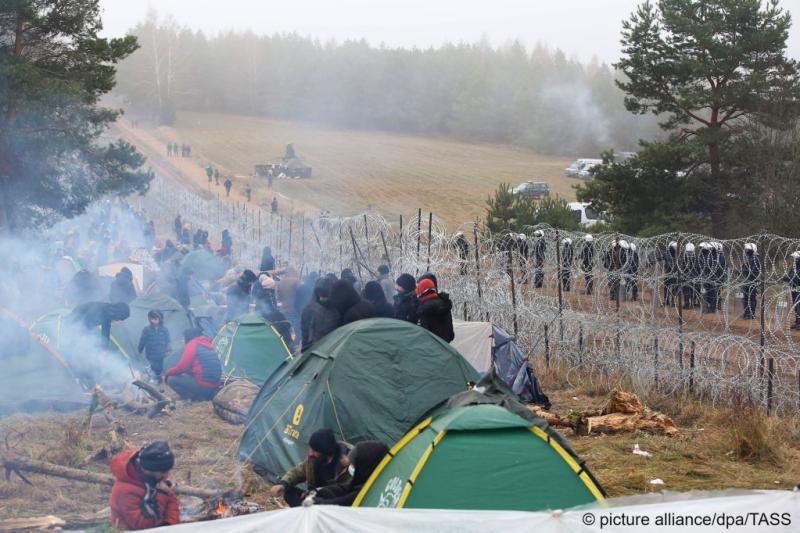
[{"x": 221, "y": 508}]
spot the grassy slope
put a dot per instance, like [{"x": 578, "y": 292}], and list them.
[{"x": 352, "y": 170}]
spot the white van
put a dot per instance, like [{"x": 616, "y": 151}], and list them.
[{"x": 584, "y": 214}]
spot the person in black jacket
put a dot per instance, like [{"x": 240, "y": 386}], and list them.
[
  {"x": 751, "y": 272},
  {"x": 264, "y": 295},
  {"x": 122, "y": 289},
  {"x": 671, "y": 275},
  {"x": 89, "y": 315},
  {"x": 792, "y": 277},
  {"x": 567, "y": 257},
  {"x": 373, "y": 293},
  {"x": 587, "y": 262},
  {"x": 405, "y": 301},
  {"x": 319, "y": 317},
  {"x": 278, "y": 321},
  {"x": 632, "y": 271},
  {"x": 346, "y": 300},
  {"x": 462, "y": 247},
  {"x": 238, "y": 295},
  {"x": 155, "y": 342},
  {"x": 434, "y": 311},
  {"x": 689, "y": 274},
  {"x": 267, "y": 261},
  {"x": 539, "y": 251},
  {"x": 364, "y": 458}
]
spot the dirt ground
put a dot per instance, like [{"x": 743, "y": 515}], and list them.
[{"x": 351, "y": 170}]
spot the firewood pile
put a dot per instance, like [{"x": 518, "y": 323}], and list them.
[{"x": 623, "y": 412}]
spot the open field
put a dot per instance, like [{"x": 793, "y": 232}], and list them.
[{"x": 353, "y": 170}]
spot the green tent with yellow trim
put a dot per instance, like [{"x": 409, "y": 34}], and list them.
[
  {"x": 251, "y": 348},
  {"x": 479, "y": 457}
]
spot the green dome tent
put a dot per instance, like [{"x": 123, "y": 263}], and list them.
[
  {"x": 83, "y": 353},
  {"x": 126, "y": 333},
  {"x": 371, "y": 379},
  {"x": 250, "y": 348},
  {"x": 479, "y": 457},
  {"x": 36, "y": 376}
]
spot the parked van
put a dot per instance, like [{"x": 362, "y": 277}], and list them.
[{"x": 584, "y": 213}]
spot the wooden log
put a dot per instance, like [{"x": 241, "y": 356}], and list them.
[
  {"x": 15, "y": 462},
  {"x": 153, "y": 392},
  {"x": 39, "y": 522}
]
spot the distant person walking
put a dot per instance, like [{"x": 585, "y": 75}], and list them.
[
  {"x": 228, "y": 185},
  {"x": 270, "y": 177},
  {"x": 274, "y": 205},
  {"x": 169, "y": 149},
  {"x": 216, "y": 176},
  {"x": 210, "y": 174},
  {"x": 248, "y": 191}
]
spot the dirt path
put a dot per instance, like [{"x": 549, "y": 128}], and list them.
[{"x": 190, "y": 172}]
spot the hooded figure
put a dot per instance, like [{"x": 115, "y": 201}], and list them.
[
  {"x": 267, "y": 261},
  {"x": 373, "y": 293},
  {"x": 364, "y": 459},
  {"x": 319, "y": 317},
  {"x": 326, "y": 464},
  {"x": 238, "y": 295},
  {"x": 155, "y": 342},
  {"x": 792, "y": 278},
  {"x": 198, "y": 374},
  {"x": 142, "y": 497},
  {"x": 348, "y": 276},
  {"x": 405, "y": 301},
  {"x": 434, "y": 311},
  {"x": 346, "y": 300},
  {"x": 122, "y": 289}
]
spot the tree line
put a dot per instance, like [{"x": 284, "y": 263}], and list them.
[{"x": 538, "y": 98}]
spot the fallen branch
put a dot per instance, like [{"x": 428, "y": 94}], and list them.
[
  {"x": 39, "y": 522},
  {"x": 17, "y": 463},
  {"x": 153, "y": 392}
]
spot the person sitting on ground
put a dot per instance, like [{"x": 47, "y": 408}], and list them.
[
  {"x": 142, "y": 497},
  {"x": 386, "y": 282},
  {"x": 198, "y": 374},
  {"x": 346, "y": 300},
  {"x": 155, "y": 342},
  {"x": 434, "y": 310},
  {"x": 373, "y": 293},
  {"x": 319, "y": 317},
  {"x": 122, "y": 289},
  {"x": 364, "y": 459},
  {"x": 405, "y": 301},
  {"x": 325, "y": 464}
]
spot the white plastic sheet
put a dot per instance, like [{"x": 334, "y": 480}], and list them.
[
  {"x": 474, "y": 341},
  {"x": 758, "y": 508}
]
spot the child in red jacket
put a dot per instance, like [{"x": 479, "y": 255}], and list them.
[{"x": 142, "y": 497}]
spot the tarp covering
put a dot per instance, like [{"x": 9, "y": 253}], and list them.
[
  {"x": 717, "y": 506},
  {"x": 474, "y": 341},
  {"x": 371, "y": 379},
  {"x": 250, "y": 348},
  {"x": 512, "y": 366},
  {"x": 479, "y": 456}
]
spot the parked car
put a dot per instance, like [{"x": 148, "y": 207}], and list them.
[
  {"x": 532, "y": 189},
  {"x": 584, "y": 213},
  {"x": 573, "y": 170},
  {"x": 585, "y": 173}
]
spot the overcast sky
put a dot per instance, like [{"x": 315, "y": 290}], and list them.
[{"x": 581, "y": 28}]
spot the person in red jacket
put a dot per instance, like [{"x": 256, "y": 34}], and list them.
[
  {"x": 142, "y": 497},
  {"x": 198, "y": 374}
]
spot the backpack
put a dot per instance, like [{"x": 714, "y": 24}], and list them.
[{"x": 211, "y": 367}]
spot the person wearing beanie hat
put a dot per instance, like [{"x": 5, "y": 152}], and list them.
[
  {"x": 405, "y": 301},
  {"x": 326, "y": 464},
  {"x": 155, "y": 342},
  {"x": 264, "y": 295},
  {"x": 319, "y": 317},
  {"x": 434, "y": 310},
  {"x": 142, "y": 497},
  {"x": 373, "y": 293},
  {"x": 431, "y": 276}
]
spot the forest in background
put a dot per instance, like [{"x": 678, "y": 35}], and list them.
[{"x": 538, "y": 98}]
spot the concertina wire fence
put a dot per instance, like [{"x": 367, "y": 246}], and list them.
[{"x": 679, "y": 348}]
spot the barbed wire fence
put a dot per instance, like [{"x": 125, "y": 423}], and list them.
[{"x": 665, "y": 320}]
